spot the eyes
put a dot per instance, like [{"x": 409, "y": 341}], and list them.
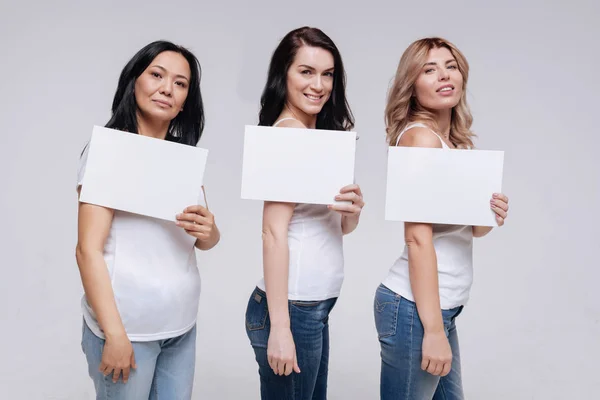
[
  {"x": 309, "y": 72},
  {"x": 179, "y": 83},
  {"x": 432, "y": 69}
]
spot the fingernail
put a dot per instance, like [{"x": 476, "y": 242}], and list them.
[{"x": 495, "y": 195}]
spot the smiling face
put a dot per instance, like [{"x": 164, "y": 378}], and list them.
[
  {"x": 161, "y": 90},
  {"x": 310, "y": 80},
  {"x": 440, "y": 83}
]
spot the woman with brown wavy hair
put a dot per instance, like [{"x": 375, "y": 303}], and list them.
[{"x": 417, "y": 303}]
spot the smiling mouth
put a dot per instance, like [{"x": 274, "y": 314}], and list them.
[
  {"x": 313, "y": 97},
  {"x": 446, "y": 89}
]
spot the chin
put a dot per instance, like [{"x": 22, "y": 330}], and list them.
[
  {"x": 312, "y": 109},
  {"x": 161, "y": 116}
]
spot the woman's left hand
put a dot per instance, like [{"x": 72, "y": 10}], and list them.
[
  {"x": 350, "y": 193},
  {"x": 197, "y": 221},
  {"x": 499, "y": 204}
]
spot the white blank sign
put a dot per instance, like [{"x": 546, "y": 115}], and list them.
[
  {"x": 142, "y": 175},
  {"x": 296, "y": 165},
  {"x": 442, "y": 186}
]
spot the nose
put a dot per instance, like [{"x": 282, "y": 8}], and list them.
[
  {"x": 317, "y": 83},
  {"x": 166, "y": 87},
  {"x": 443, "y": 74}
]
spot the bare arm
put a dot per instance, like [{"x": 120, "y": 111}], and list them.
[
  {"x": 93, "y": 227},
  {"x": 480, "y": 231},
  {"x": 276, "y": 218},
  {"x": 423, "y": 273},
  {"x": 281, "y": 350}
]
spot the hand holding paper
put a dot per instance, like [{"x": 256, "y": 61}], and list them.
[
  {"x": 349, "y": 201},
  {"x": 499, "y": 204}
]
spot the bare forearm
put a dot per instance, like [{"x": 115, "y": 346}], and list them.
[
  {"x": 423, "y": 273},
  {"x": 210, "y": 242},
  {"x": 349, "y": 223},
  {"x": 276, "y": 271},
  {"x": 99, "y": 292},
  {"x": 480, "y": 231}
]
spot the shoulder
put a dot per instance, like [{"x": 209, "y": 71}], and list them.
[
  {"x": 419, "y": 136},
  {"x": 291, "y": 123}
]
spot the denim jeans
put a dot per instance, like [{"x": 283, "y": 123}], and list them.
[
  {"x": 165, "y": 368},
  {"x": 310, "y": 330},
  {"x": 400, "y": 334}
]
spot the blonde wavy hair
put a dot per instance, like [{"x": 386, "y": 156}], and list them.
[{"x": 402, "y": 106}]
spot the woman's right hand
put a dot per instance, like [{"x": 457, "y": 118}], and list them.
[
  {"x": 117, "y": 357},
  {"x": 281, "y": 352},
  {"x": 437, "y": 354}
]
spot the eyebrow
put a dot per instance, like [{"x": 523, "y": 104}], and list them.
[
  {"x": 309, "y": 67},
  {"x": 164, "y": 69},
  {"x": 434, "y": 63}
]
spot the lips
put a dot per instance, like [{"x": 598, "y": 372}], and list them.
[
  {"x": 163, "y": 103},
  {"x": 445, "y": 89},
  {"x": 313, "y": 97}
]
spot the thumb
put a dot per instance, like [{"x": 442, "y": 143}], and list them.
[
  {"x": 133, "y": 364},
  {"x": 296, "y": 367}
]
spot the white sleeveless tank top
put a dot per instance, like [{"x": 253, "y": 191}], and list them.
[
  {"x": 454, "y": 250},
  {"x": 316, "y": 257}
]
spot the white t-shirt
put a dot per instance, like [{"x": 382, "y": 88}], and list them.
[
  {"x": 153, "y": 272},
  {"x": 453, "y": 246},
  {"x": 316, "y": 255}
]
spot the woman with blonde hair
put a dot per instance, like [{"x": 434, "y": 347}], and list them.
[{"x": 425, "y": 290}]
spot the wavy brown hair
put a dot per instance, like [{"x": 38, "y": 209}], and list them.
[{"x": 402, "y": 106}]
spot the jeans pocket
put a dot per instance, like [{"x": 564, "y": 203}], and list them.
[
  {"x": 385, "y": 308},
  {"x": 305, "y": 303},
  {"x": 257, "y": 311}
]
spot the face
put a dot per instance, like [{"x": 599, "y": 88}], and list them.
[
  {"x": 310, "y": 79},
  {"x": 161, "y": 90},
  {"x": 440, "y": 83}
]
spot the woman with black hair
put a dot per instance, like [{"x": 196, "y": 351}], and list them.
[
  {"x": 139, "y": 274},
  {"x": 287, "y": 314}
]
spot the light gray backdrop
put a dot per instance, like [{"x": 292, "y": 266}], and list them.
[{"x": 531, "y": 330}]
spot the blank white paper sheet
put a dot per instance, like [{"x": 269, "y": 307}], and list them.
[
  {"x": 296, "y": 165},
  {"x": 142, "y": 175},
  {"x": 442, "y": 186}
]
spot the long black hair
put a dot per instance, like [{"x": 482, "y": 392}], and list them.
[
  {"x": 335, "y": 114},
  {"x": 187, "y": 126}
]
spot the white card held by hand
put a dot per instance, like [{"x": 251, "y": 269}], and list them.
[
  {"x": 142, "y": 175},
  {"x": 296, "y": 165},
  {"x": 442, "y": 186}
]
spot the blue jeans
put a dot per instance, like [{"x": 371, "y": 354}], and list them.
[
  {"x": 310, "y": 330},
  {"x": 165, "y": 368},
  {"x": 401, "y": 338}
]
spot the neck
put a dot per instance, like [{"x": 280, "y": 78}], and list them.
[
  {"x": 443, "y": 118},
  {"x": 157, "y": 130},
  {"x": 289, "y": 111}
]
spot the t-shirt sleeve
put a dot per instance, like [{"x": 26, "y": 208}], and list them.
[{"x": 82, "y": 163}]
